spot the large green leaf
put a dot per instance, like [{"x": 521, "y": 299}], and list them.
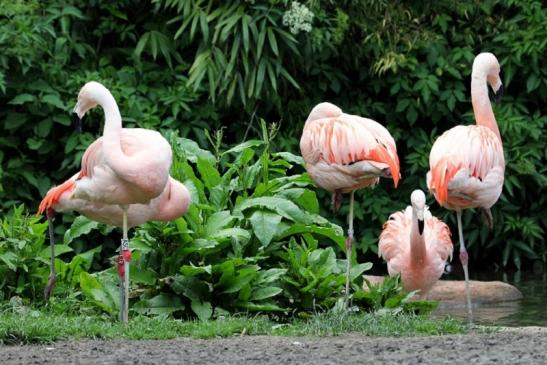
[
  {"x": 334, "y": 233},
  {"x": 264, "y": 225},
  {"x": 240, "y": 234},
  {"x": 216, "y": 222},
  {"x": 235, "y": 283},
  {"x": 281, "y": 206},
  {"x": 358, "y": 270},
  {"x": 190, "y": 287},
  {"x": 81, "y": 225},
  {"x": 202, "y": 309},
  {"x": 141, "y": 276},
  {"x": 191, "y": 270},
  {"x": 21, "y": 99},
  {"x": 160, "y": 304},
  {"x": 59, "y": 250},
  {"x": 10, "y": 259},
  {"x": 209, "y": 174},
  {"x": 244, "y": 146},
  {"x": 265, "y": 293},
  {"x": 193, "y": 151},
  {"x": 54, "y": 100},
  {"x": 93, "y": 289}
]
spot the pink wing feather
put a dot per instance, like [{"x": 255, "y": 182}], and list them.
[
  {"x": 344, "y": 139},
  {"x": 466, "y": 167}
]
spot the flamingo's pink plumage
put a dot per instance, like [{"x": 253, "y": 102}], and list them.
[
  {"x": 345, "y": 152},
  {"x": 418, "y": 257},
  {"x": 172, "y": 203}
]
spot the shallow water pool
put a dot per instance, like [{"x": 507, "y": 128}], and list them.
[{"x": 531, "y": 310}]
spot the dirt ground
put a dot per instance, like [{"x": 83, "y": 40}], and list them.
[{"x": 511, "y": 346}]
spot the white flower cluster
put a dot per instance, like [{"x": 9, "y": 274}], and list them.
[{"x": 298, "y": 18}]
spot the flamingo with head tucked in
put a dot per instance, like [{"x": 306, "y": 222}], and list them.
[
  {"x": 416, "y": 245},
  {"x": 345, "y": 152},
  {"x": 466, "y": 163},
  {"x": 125, "y": 166},
  {"x": 172, "y": 203}
]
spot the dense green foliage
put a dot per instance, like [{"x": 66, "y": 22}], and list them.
[
  {"x": 249, "y": 243},
  {"x": 188, "y": 67}
]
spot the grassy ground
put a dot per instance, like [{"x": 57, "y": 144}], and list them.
[{"x": 35, "y": 326}]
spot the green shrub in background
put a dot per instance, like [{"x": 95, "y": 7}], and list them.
[{"x": 190, "y": 66}]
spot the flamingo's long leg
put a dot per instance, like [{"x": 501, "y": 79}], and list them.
[
  {"x": 123, "y": 261},
  {"x": 349, "y": 243},
  {"x": 464, "y": 258},
  {"x": 126, "y": 268},
  {"x": 52, "y": 274}
]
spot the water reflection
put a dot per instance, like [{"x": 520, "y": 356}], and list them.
[{"x": 529, "y": 311}]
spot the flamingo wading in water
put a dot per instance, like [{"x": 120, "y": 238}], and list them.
[
  {"x": 343, "y": 153},
  {"x": 466, "y": 163},
  {"x": 416, "y": 245},
  {"x": 125, "y": 166}
]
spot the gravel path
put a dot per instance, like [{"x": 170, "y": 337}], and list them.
[{"x": 526, "y": 345}]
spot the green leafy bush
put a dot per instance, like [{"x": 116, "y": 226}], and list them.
[
  {"x": 23, "y": 256},
  {"x": 235, "y": 248}
]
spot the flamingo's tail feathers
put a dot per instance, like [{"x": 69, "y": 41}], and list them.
[
  {"x": 441, "y": 174},
  {"x": 54, "y": 195},
  {"x": 390, "y": 158}
]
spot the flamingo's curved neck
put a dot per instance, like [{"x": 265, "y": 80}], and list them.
[
  {"x": 112, "y": 117},
  {"x": 112, "y": 148},
  {"x": 484, "y": 115},
  {"x": 417, "y": 243}
]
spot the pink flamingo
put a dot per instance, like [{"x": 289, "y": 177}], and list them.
[
  {"x": 172, "y": 203},
  {"x": 466, "y": 162},
  {"x": 123, "y": 167},
  {"x": 416, "y": 245},
  {"x": 343, "y": 153}
]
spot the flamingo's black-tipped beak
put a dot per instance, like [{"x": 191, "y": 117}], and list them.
[
  {"x": 421, "y": 226},
  {"x": 76, "y": 123},
  {"x": 498, "y": 94}
]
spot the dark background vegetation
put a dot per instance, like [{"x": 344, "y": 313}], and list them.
[{"x": 196, "y": 66}]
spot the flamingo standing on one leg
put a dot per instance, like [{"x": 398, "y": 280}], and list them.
[
  {"x": 416, "y": 245},
  {"x": 466, "y": 162},
  {"x": 123, "y": 167},
  {"x": 343, "y": 153},
  {"x": 172, "y": 203}
]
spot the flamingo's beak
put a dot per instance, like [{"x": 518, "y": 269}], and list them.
[
  {"x": 498, "y": 94},
  {"x": 77, "y": 123},
  {"x": 421, "y": 226}
]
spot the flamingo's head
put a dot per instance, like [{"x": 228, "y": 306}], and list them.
[
  {"x": 417, "y": 198},
  {"x": 176, "y": 201},
  {"x": 90, "y": 95},
  {"x": 487, "y": 64},
  {"x": 324, "y": 110}
]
